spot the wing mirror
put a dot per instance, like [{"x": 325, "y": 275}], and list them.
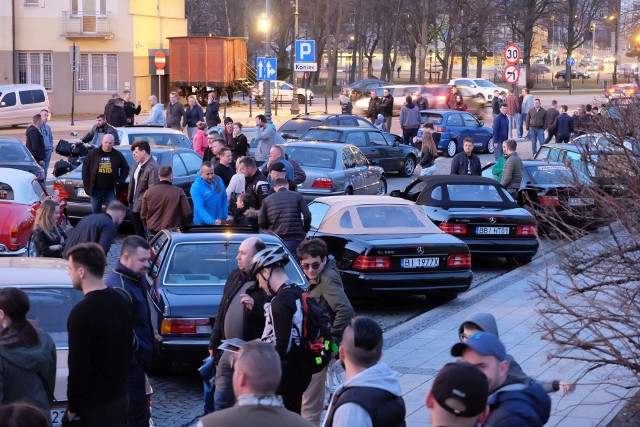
[{"x": 396, "y": 193}]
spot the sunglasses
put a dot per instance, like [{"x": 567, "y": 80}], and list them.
[{"x": 305, "y": 266}]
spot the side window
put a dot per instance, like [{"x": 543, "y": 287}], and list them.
[
  {"x": 37, "y": 188},
  {"x": 553, "y": 155},
  {"x": 158, "y": 252},
  {"x": 348, "y": 121},
  {"x": 348, "y": 160},
  {"x": 31, "y": 96},
  {"x": 575, "y": 161},
  {"x": 470, "y": 121},
  {"x": 454, "y": 120},
  {"x": 543, "y": 153},
  {"x": 9, "y": 100},
  {"x": 363, "y": 123},
  {"x": 192, "y": 161},
  {"x": 331, "y": 122},
  {"x": 318, "y": 211},
  {"x": 356, "y": 138},
  {"x": 361, "y": 160},
  {"x": 436, "y": 194},
  {"x": 376, "y": 138},
  {"x": 179, "y": 170}
]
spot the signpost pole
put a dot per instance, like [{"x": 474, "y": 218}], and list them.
[
  {"x": 267, "y": 84},
  {"x": 73, "y": 82},
  {"x": 295, "y": 107}
]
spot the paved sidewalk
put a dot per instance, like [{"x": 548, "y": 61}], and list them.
[{"x": 420, "y": 347}]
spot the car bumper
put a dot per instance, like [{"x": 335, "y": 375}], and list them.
[
  {"x": 503, "y": 247},
  {"x": 362, "y": 284},
  {"x": 176, "y": 349},
  {"x": 5, "y": 251},
  {"x": 309, "y": 196}
]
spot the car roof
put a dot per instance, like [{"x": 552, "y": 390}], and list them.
[
  {"x": 10, "y": 139},
  {"x": 9, "y": 175},
  {"x": 534, "y": 162},
  {"x": 340, "y": 202},
  {"x": 154, "y": 148},
  {"x": 208, "y": 233},
  {"x": 345, "y": 128},
  {"x": 456, "y": 179},
  {"x": 319, "y": 144},
  {"x": 147, "y": 129},
  {"x": 33, "y": 271}
]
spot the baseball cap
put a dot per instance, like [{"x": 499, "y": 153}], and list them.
[
  {"x": 482, "y": 343},
  {"x": 461, "y": 389},
  {"x": 278, "y": 167}
]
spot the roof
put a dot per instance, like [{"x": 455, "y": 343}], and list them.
[
  {"x": 20, "y": 183},
  {"x": 33, "y": 271},
  {"x": 457, "y": 179},
  {"x": 205, "y": 233},
  {"x": 318, "y": 144},
  {"x": 147, "y": 129},
  {"x": 345, "y": 128},
  {"x": 340, "y": 202},
  {"x": 9, "y": 139}
]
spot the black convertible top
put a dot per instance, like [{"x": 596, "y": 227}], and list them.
[
  {"x": 424, "y": 198},
  {"x": 456, "y": 179}
]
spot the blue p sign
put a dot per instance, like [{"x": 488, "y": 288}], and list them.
[{"x": 305, "y": 50}]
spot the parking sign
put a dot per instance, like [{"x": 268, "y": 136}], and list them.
[{"x": 305, "y": 51}]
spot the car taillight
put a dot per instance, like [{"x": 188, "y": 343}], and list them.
[
  {"x": 453, "y": 228},
  {"x": 322, "y": 183},
  {"x": 549, "y": 201},
  {"x": 440, "y": 128},
  {"x": 13, "y": 234},
  {"x": 459, "y": 261},
  {"x": 62, "y": 193},
  {"x": 123, "y": 196},
  {"x": 612, "y": 90},
  {"x": 631, "y": 91},
  {"x": 441, "y": 98},
  {"x": 186, "y": 326},
  {"x": 364, "y": 262},
  {"x": 526, "y": 230}
]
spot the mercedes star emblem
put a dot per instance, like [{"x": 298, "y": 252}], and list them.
[
  {"x": 492, "y": 220},
  {"x": 420, "y": 250}
]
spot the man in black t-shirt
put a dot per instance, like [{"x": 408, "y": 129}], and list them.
[{"x": 225, "y": 168}]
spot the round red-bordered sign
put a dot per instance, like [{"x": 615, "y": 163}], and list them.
[
  {"x": 160, "y": 60},
  {"x": 512, "y": 53},
  {"x": 511, "y": 74}
]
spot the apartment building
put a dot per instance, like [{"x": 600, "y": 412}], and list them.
[{"x": 117, "y": 41}]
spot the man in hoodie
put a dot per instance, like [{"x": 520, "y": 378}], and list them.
[
  {"x": 210, "y": 205},
  {"x": 371, "y": 395},
  {"x": 128, "y": 277},
  {"x": 326, "y": 287},
  {"x": 156, "y": 117},
  {"x": 511, "y": 403},
  {"x": 485, "y": 322}
]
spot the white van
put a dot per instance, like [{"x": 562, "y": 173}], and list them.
[{"x": 19, "y": 103}]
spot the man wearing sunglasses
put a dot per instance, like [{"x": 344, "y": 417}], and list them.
[{"x": 326, "y": 287}]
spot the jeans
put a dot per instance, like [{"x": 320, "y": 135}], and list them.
[
  {"x": 223, "y": 396},
  {"x": 138, "y": 225},
  {"x": 100, "y": 196},
  {"x": 514, "y": 119},
  {"x": 138, "y": 414},
  {"x": 428, "y": 171},
  {"x": 536, "y": 134},
  {"x": 408, "y": 135},
  {"x": 387, "y": 122},
  {"x": 523, "y": 118},
  {"x": 497, "y": 146},
  {"x": 47, "y": 160}
]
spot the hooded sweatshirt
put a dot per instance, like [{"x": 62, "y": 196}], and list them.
[
  {"x": 379, "y": 376},
  {"x": 209, "y": 201},
  {"x": 156, "y": 116},
  {"x": 515, "y": 404},
  {"x": 19, "y": 378}
]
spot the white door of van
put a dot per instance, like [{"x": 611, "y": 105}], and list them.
[{"x": 9, "y": 110}]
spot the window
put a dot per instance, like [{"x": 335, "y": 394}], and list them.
[
  {"x": 377, "y": 139},
  {"x": 356, "y": 138},
  {"x": 470, "y": 121},
  {"x": 31, "y": 2},
  {"x": 9, "y": 100},
  {"x": 192, "y": 161},
  {"x": 34, "y": 96},
  {"x": 179, "y": 170},
  {"x": 35, "y": 68},
  {"x": 98, "y": 72},
  {"x": 158, "y": 252},
  {"x": 361, "y": 160},
  {"x": 554, "y": 156},
  {"x": 89, "y": 6},
  {"x": 454, "y": 120},
  {"x": 37, "y": 188},
  {"x": 318, "y": 211},
  {"x": 348, "y": 159}
]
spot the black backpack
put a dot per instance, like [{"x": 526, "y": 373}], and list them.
[{"x": 315, "y": 341}]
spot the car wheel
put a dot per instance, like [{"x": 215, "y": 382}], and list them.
[
  {"x": 32, "y": 252},
  {"x": 348, "y": 191},
  {"x": 490, "y": 148},
  {"x": 382, "y": 187},
  {"x": 442, "y": 297},
  {"x": 409, "y": 166},
  {"x": 301, "y": 99},
  {"x": 452, "y": 148}
]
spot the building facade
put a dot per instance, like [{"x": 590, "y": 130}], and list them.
[{"x": 116, "y": 39}]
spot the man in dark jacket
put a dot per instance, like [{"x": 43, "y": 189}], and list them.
[
  {"x": 143, "y": 176},
  {"x": 100, "y": 228},
  {"x": 500, "y": 130},
  {"x": 176, "y": 116},
  {"x": 130, "y": 109},
  {"x": 374, "y": 107},
  {"x": 98, "y": 132},
  {"x": 281, "y": 212},
  {"x": 512, "y": 170},
  {"x": 240, "y": 315},
  {"x": 128, "y": 277},
  {"x": 118, "y": 116},
  {"x": 256, "y": 183},
  {"x": 552, "y": 113},
  {"x": 466, "y": 163},
  {"x": 212, "y": 116},
  {"x": 35, "y": 140},
  {"x": 495, "y": 103},
  {"x": 103, "y": 170},
  {"x": 108, "y": 108},
  {"x": 386, "y": 108},
  {"x": 164, "y": 205},
  {"x": 511, "y": 403},
  {"x": 564, "y": 125},
  {"x": 536, "y": 122}
]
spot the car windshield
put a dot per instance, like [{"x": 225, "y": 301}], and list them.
[
  {"x": 298, "y": 125},
  {"x": 484, "y": 83},
  {"x": 434, "y": 118},
  {"x": 14, "y": 153},
  {"x": 321, "y": 135},
  {"x": 163, "y": 139},
  {"x": 553, "y": 174},
  {"x": 50, "y": 309},
  {"x": 474, "y": 193},
  {"x": 323, "y": 158}
]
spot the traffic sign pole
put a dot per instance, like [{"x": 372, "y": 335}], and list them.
[
  {"x": 267, "y": 43},
  {"x": 295, "y": 107},
  {"x": 160, "y": 60}
]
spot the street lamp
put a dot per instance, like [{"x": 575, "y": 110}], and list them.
[
  {"x": 295, "y": 107},
  {"x": 266, "y": 26},
  {"x": 430, "y": 59}
]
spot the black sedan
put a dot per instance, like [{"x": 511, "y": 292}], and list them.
[
  {"x": 293, "y": 128},
  {"x": 13, "y": 154},
  {"x": 387, "y": 245},
  {"x": 382, "y": 149},
  {"x": 562, "y": 74},
  {"x": 479, "y": 211},
  {"x": 185, "y": 163},
  {"x": 554, "y": 192},
  {"x": 361, "y": 88},
  {"x": 188, "y": 270}
]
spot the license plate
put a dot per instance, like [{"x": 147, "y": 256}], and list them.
[
  {"x": 56, "y": 416},
  {"x": 81, "y": 193},
  {"x": 492, "y": 230},
  {"x": 580, "y": 201},
  {"x": 419, "y": 262}
]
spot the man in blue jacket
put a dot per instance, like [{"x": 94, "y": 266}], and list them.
[
  {"x": 128, "y": 277},
  {"x": 210, "y": 204},
  {"x": 500, "y": 130},
  {"x": 563, "y": 125}
]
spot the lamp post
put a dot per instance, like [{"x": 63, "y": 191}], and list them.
[
  {"x": 430, "y": 59},
  {"x": 295, "y": 107},
  {"x": 616, "y": 31},
  {"x": 267, "y": 43}
]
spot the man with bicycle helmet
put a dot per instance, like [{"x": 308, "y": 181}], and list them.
[{"x": 283, "y": 322}]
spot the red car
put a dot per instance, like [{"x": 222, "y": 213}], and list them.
[{"x": 20, "y": 197}]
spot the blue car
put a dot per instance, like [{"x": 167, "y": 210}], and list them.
[{"x": 452, "y": 127}]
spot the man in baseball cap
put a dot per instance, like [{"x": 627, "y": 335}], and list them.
[
  {"x": 458, "y": 396},
  {"x": 511, "y": 403}
]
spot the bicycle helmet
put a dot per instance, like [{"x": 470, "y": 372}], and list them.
[{"x": 270, "y": 257}]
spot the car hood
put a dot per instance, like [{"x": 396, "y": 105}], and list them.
[{"x": 200, "y": 301}]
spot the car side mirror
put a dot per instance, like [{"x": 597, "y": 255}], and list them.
[
  {"x": 73, "y": 133},
  {"x": 473, "y": 86},
  {"x": 396, "y": 193}
]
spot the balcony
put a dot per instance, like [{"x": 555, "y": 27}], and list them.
[{"x": 82, "y": 25}]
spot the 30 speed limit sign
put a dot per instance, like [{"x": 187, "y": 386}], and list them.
[
  {"x": 511, "y": 74},
  {"x": 512, "y": 53}
]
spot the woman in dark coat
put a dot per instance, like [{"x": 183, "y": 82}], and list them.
[{"x": 49, "y": 237}]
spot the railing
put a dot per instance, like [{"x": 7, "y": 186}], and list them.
[{"x": 86, "y": 24}]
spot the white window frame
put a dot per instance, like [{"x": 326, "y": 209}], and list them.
[
  {"x": 89, "y": 80},
  {"x": 77, "y": 7},
  {"x": 43, "y": 68}
]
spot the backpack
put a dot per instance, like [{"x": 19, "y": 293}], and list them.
[{"x": 315, "y": 340}]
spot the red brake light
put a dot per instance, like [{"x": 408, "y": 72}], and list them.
[
  {"x": 322, "y": 183},
  {"x": 441, "y": 98},
  {"x": 123, "y": 196},
  {"x": 549, "y": 201},
  {"x": 440, "y": 128},
  {"x": 527, "y": 230},
  {"x": 185, "y": 326},
  {"x": 372, "y": 263},
  {"x": 62, "y": 193},
  {"x": 612, "y": 90},
  {"x": 13, "y": 233},
  {"x": 453, "y": 228},
  {"x": 459, "y": 261}
]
